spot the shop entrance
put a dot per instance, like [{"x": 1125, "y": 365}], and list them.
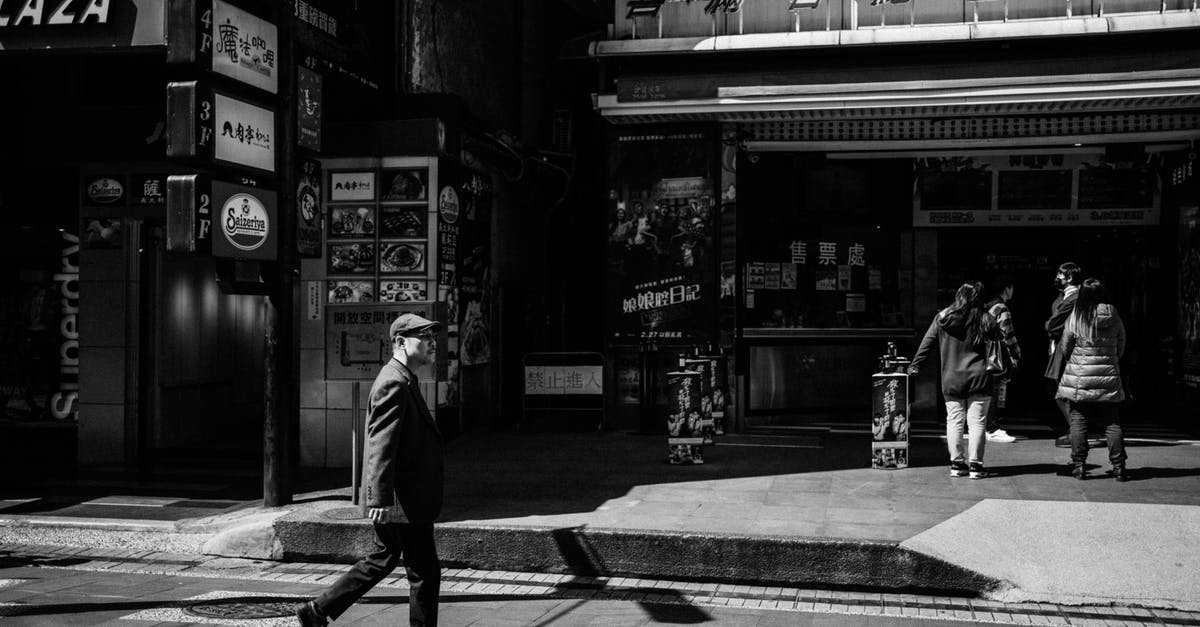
[
  {"x": 1124, "y": 258},
  {"x": 202, "y": 367}
]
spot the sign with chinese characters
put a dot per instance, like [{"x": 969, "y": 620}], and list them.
[
  {"x": 245, "y": 133},
  {"x": 351, "y": 186},
  {"x": 208, "y": 125},
  {"x": 1039, "y": 189},
  {"x": 308, "y": 109},
  {"x": 220, "y": 37},
  {"x": 357, "y": 343},
  {"x": 64, "y": 24},
  {"x": 148, "y": 190},
  {"x": 540, "y": 380},
  {"x": 889, "y": 421}
]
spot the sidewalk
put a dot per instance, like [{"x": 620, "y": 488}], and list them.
[{"x": 800, "y": 511}]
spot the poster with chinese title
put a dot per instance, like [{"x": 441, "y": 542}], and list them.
[
  {"x": 889, "y": 421},
  {"x": 661, "y": 279},
  {"x": 1189, "y": 294},
  {"x": 703, "y": 365},
  {"x": 685, "y": 439}
]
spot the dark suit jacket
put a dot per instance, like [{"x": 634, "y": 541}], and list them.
[
  {"x": 1060, "y": 310},
  {"x": 402, "y": 460}
]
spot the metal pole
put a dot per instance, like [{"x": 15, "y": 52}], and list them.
[
  {"x": 281, "y": 417},
  {"x": 356, "y": 444}
]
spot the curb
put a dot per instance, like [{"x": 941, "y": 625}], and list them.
[{"x": 654, "y": 554}]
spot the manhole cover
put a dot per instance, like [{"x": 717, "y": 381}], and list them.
[
  {"x": 242, "y": 610},
  {"x": 343, "y": 513}
]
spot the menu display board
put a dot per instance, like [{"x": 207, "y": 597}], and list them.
[{"x": 1040, "y": 189}]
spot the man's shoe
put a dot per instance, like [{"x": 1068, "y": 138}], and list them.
[
  {"x": 310, "y": 616},
  {"x": 1118, "y": 471},
  {"x": 977, "y": 471},
  {"x": 1063, "y": 441},
  {"x": 1000, "y": 435},
  {"x": 1079, "y": 472},
  {"x": 958, "y": 469}
]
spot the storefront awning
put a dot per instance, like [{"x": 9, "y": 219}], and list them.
[{"x": 1094, "y": 93}]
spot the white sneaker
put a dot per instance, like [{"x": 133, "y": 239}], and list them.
[{"x": 999, "y": 435}]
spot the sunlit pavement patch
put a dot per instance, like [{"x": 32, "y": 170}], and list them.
[
  {"x": 239, "y": 608},
  {"x": 8, "y": 583}
]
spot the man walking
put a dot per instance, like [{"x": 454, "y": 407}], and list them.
[
  {"x": 401, "y": 484},
  {"x": 1068, "y": 279}
]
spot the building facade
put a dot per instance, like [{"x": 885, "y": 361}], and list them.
[{"x": 801, "y": 183}]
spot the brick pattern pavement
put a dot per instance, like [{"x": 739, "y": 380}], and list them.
[{"x": 560, "y": 587}]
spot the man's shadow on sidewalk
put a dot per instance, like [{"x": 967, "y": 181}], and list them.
[{"x": 662, "y": 611}]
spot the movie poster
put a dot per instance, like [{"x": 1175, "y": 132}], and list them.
[
  {"x": 475, "y": 269},
  {"x": 1189, "y": 294},
  {"x": 889, "y": 421},
  {"x": 662, "y": 277},
  {"x": 685, "y": 438}
]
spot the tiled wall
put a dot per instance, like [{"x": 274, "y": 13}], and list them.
[{"x": 103, "y": 348}]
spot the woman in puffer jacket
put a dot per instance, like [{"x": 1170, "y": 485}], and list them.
[{"x": 1094, "y": 342}]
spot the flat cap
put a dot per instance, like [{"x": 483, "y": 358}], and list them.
[{"x": 407, "y": 324}]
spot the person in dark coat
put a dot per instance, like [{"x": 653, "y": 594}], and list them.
[
  {"x": 961, "y": 332},
  {"x": 402, "y": 484},
  {"x": 1068, "y": 279},
  {"x": 1094, "y": 341}
]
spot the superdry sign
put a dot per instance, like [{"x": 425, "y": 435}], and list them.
[{"x": 64, "y": 24}]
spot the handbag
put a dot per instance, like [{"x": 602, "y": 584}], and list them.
[{"x": 998, "y": 358}]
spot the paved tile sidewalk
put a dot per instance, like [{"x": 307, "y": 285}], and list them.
[{"x": 42, "y": 570}]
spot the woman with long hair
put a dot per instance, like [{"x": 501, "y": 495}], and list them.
[
  {"x": 1093, "y": 344},
  {"x": 961, "y": 332}
]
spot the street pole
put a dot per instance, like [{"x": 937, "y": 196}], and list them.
[{"x": 280, "y": 408}]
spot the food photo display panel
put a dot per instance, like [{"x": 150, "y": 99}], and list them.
[
  {"x": 352, "y": 258},
  {"x": 351, "y": 291},
  {"x": 404, "y": 185},
  {"x": 355, "y": 221},
  {"x": 403, "y": 290},
  {"x": 411, "y": 222},
  {"x": 406, "y": 257}
]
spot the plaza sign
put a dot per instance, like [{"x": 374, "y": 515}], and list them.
[
  {"x": 219, "y": 37},
  {"x": 65, "y": 24},
  {"x": 214, "y": 127}
]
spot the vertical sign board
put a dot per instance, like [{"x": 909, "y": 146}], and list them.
[
  {"x": 308, "y": 109},
  {"x": 210, "y": 126},
  {"x": 684, "y": 437},
  {"x": 889, "y": 421},
  {"x": 308, "y": 208},
  {"x": 222, "y": 38}
]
